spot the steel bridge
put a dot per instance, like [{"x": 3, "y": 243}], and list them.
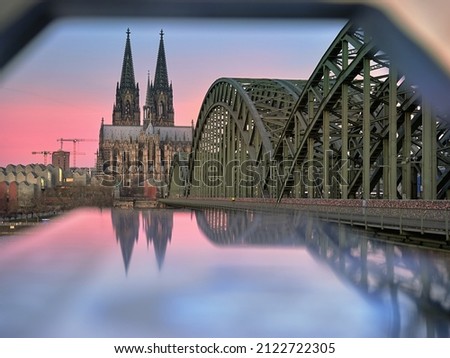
[{"x": 357, "y": 128}]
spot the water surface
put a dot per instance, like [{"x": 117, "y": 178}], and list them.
[{"x": 215, "y": 273}]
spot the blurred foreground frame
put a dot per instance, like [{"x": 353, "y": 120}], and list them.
[{"x": 22, "y": 20}]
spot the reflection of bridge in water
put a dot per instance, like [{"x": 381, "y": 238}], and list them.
[{"x": 380, "y": 271}]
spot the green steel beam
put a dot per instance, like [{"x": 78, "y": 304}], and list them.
[
  {"x": 344, "y": 127},
  {"x": 406, "y": 158},
  {"x": 429, "y": 170},
  {"x": 392, "y": 147},
  {"x": 326, "y": 138},
  {"x": 366, "y": 130}
]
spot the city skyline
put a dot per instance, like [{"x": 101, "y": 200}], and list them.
[{"x": 62, "y": 85}]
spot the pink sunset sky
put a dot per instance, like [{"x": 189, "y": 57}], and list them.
[{"x": 63, "y": 83}]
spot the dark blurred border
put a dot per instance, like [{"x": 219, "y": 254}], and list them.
[{"x": 20, "y": 22}]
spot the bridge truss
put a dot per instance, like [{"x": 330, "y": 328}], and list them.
[
  {"x": 357, "y": 128},
  {"x": 239, "y": 124}
]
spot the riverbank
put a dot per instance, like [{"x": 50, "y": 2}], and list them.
[{"x": 12, "y": 224}]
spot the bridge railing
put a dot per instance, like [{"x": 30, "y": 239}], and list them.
[
  {"x": 429, "y": 220},
  {"x": 403, "y": 221}
]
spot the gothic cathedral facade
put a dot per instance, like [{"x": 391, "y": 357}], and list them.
[{"x": 136, "y": 156}]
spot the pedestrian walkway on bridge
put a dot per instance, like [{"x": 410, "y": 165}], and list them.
[{"x": 411, "y": 221}]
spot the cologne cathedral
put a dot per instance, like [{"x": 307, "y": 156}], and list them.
[{"x": 138, "y": 154}]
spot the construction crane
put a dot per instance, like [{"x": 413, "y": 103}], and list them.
[
  {"x": 44, "y": 153},
  {"x": 75, "y": 141}
]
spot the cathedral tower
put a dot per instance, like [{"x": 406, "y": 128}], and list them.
[
  {"x": 126, "y": 110},
  {"x": 158, "y": 109}
]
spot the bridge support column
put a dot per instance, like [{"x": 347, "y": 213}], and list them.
[
  {"x": 429, "y": 170},
  {"x": 310, "y": 144},
  {"x": 392, "y": 146},
  {"x": 366, "y": 131},
  {"x": 385, "y": 166},
  {"x": 228, "y": 173},
  {"x": 223, "y": 161},
  {"x": 344, "y": 147},
  {"x": 232, "y": 150},
  {"x": 242, "y": 184},
  {"x": 204, "y": 185},
  {"x": 344, "y": 129},
  {"x": 200, "y": 185},
  {"x": 209, "y": 187},
  {"x": 310, "y": 175},
  {"x": 406, "y": 160},
  {"x": 326, "y": 139}
]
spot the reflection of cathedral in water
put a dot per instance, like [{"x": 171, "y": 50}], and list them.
[
  {"x": 158, "y": 229},
  {"x": 126, "y": 227}
]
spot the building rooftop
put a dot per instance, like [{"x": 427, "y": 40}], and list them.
[{"x": 131, "y": 133}]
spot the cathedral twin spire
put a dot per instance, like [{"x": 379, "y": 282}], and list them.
[
  {"x": 158, "y": 109},
  {"x": 127, "y": 77},
  {"x": 161, "y": 78},
  {"x": 126, "y": 111}
]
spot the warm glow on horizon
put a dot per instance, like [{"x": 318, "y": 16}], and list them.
[{"x": 63, "y": 84}]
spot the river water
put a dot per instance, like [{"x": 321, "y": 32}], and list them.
[{"x": 215, "y": 273}]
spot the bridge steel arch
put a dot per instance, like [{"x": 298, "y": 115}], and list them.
[
  {"x": 361, "y": 129},
  {"x": 238, "y": 125},
  {"x": 357, "y": 128}
]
